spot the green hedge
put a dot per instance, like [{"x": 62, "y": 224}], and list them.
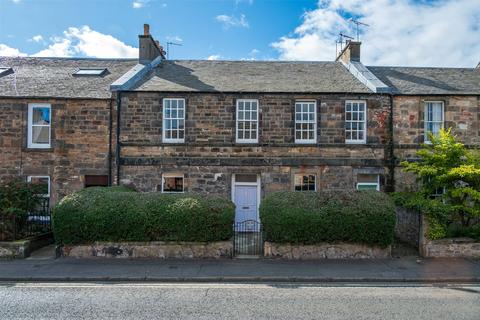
[
  {"x": 314, "y": 217},
  {"x": 119, "y": 214}
]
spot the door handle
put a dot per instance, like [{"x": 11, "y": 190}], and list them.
[{"x": 245, "y": 208}]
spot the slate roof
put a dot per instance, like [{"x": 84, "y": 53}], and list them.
[
  {"x": 52, "y": 77},
  {"x": 251, "y": 76},
  {"x": 429, "y": 81}
]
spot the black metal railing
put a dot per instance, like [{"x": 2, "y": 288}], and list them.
[
  {"x": 248, "y": 238},
  {"x": 17, "y": 227}
]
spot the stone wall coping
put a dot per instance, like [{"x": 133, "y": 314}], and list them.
[
  {"x": 143, "y": 243},
  {"x": 453, "y": 241}
]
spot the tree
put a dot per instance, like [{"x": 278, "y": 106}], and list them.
[{"x": 447, "y": 165}]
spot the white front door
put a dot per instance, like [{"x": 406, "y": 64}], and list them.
[{"x": 245, "y": 203}]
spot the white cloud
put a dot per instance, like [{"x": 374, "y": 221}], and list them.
[
  {"x": 137, "y": 4},
  {"x": 174, "y": 38},
  {"x": 214, "y": 57},
  {"x": 400, "y": 32},
  {"x": 37, "y": 38},
  {"x": 232, "y": 21},
  {"x": 7, "y": 51},
  {"x": 84, "y": 41}
]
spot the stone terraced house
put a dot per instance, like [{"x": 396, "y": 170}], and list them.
[{"x": 239, "y": 129}]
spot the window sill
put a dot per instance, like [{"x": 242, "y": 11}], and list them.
[{"x": 26, "y": 149}]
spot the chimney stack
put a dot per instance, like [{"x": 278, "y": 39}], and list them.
[
  {"x": 149, "y": 48},
  {"x": 351, "y": 52}
]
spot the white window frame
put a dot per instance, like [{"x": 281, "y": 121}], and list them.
[
  {"x": 305, "y": 174},
  {"x": 356, "y": 141},
  {"x": 314, "y": 121},
  {"x": 30, "y": 143},
  {"x": 173, "y": 175},
  {"x": 256, "y": 121},
  {"x": 173, "y": 140},
  {"x": 376, "y": 184},
  {"x": 29, "y": 179},
  {"x": 425, "y": 122}
]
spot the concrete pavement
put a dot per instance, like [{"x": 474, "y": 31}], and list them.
[
  {"x": 236, "y": 301},
  {"x": 407, "y": 269}
]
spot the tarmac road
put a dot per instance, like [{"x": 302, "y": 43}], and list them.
[{"x": 237, "y": 301}]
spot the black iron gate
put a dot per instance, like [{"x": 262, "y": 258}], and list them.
[{"x": 248, "y": 238}]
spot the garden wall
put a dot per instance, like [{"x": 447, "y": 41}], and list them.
[
  {"x": 22, "y": 248},
  {"x": 156, "y": 249},
  {"x": 325, "y": 251},
  {"x": 447, "y": 248}
]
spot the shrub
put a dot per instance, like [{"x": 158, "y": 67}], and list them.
[
  {"x": 313, "y": 217},
  {"x": 18, "y": 197},
  {"x": 120, "y": 214}
]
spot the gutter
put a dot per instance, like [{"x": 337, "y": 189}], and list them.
[
  {"x": 110, "y": 125},
  {"x": 117, "y": 143},
  {"x": 391, "y": 148}
]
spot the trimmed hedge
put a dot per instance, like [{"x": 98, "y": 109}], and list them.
[
  {"x": 119, "y": 214},
  {"x": 313, "y": 217}
]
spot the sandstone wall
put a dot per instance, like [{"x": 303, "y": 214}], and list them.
[
  {"x": 79, "y": 143},
  {"x": 325, "y": 251},
  {"x": 161, "y": 250},
  {"x": 210, "y": 155}
]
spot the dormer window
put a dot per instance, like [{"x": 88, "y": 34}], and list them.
[
  {"x": 90, "y": 72},
  {"x": 5, "y": 71}
]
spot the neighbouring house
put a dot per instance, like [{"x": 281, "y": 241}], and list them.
[
  {"x": 240, "y": 129},
  {"x": 56, "y": 116},
  {"x": 426, "y": 100}
]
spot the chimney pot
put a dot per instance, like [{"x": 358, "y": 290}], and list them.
[{"x": 146, "y": 29}]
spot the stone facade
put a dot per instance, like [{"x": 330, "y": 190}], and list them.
[
  {"x": 210, "y": 155},
  {"x": 80, "y": 137},
  {"x": 325, "y": 251},
  {"x": 461, "y": 114},
  {"x": 162, "y": 250}
]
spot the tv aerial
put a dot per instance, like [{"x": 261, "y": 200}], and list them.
[
  {"x": 342, "y": 38},
  {"x": 173, "y": 44},
  {"x": 358, "y": 23}
]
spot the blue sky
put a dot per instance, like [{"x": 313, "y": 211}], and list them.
[
  {"x": 400, "y": 32},
  {"x": 194, "y": 22}
]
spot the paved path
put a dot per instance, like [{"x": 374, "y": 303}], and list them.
[
  {"x": 236, "y": 301},
  {"x": 409, "y": 269}
]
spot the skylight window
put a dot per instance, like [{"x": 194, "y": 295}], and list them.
[
  {"x": 4, "y": 71},
  {"x": 90, "y": 72}
]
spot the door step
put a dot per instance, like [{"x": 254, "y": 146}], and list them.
[{"x": 247, "y": 256}]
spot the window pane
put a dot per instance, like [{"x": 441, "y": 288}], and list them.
[
  {"x": 369, "y": 178},
  {"x": 245, "y": 178},
  {"x": 367, "y": 187},
  {"x": 173, "y": 184},
  {"x": 304, "y": 182},
  {"x": 41, "y": 134},
  {"x": 41, "y": 116}
]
